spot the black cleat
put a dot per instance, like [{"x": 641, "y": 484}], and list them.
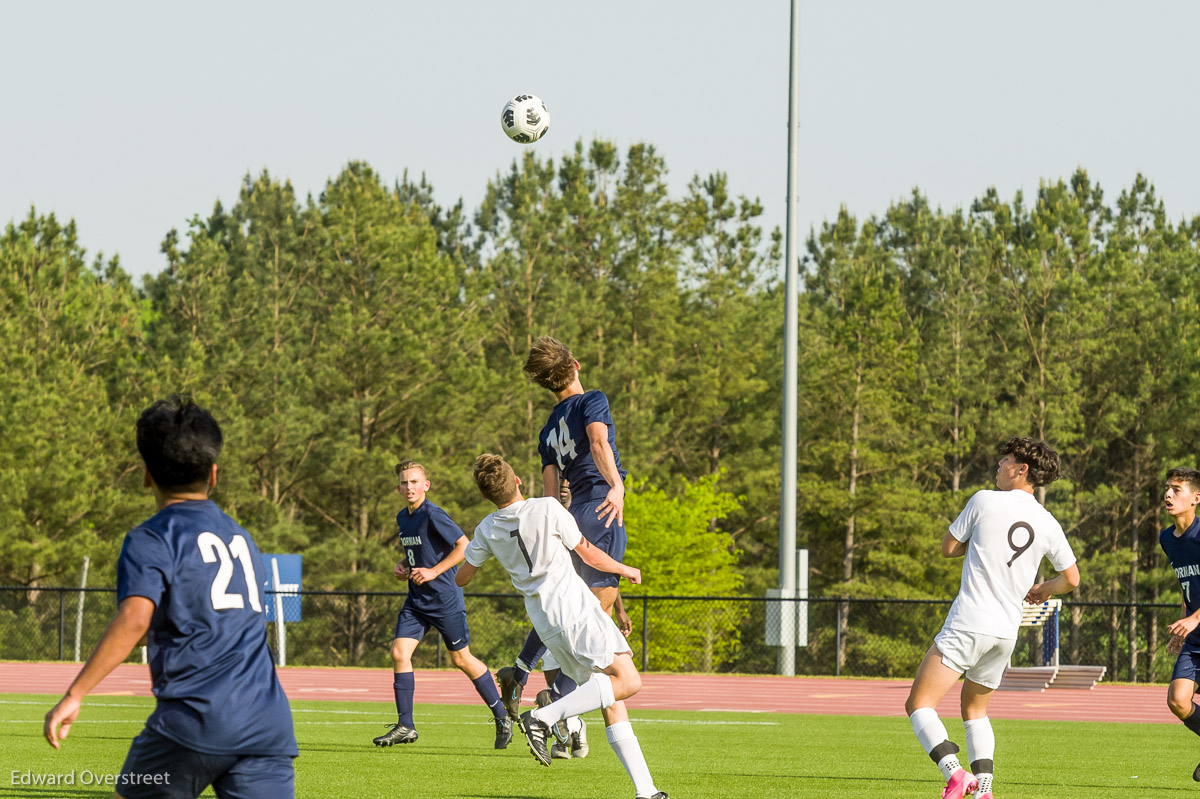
[
  {"x": 503, "y": 732},
  {"x": 536, "y": 733},
  {"x": 1196, "y": 774},
  {"x": 659, "y": 795},
  {"x": 510, "y": 693},
  {"x": 398, "y": 734},
  {"x": 559, "y": 728}
]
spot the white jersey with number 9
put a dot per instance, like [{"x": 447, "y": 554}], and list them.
[{"x": 1007, "y": 534}]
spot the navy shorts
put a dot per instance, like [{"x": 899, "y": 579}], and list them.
[
  {"x": 1187, "y": 665},
  {"x": 159, "y": 768},
  {"x": 611, "y": 540},
  {"x": 412, "y": 623}
]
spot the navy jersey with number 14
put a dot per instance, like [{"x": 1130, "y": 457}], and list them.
[{"x": 564, "y": 443}]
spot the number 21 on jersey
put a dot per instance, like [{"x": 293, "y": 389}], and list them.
[
  {"x": 561, "y": 442},
  {"x": 213, "y": 550}
]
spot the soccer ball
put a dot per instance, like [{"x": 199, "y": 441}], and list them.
[{"x": 525, "y": 119}]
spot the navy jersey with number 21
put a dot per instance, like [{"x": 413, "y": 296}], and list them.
[
  {"x": 212, "y": 672},
  {"x": 564, "y": 443}
]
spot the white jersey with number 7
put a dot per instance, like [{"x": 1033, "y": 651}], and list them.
[
  {"x": 1007, "y": 534},
  {"x": 532, "y": 539}
]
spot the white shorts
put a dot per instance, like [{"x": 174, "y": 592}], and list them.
[
  {"x": 585, "y": 647},
  {"x": 982, "y": 658}
]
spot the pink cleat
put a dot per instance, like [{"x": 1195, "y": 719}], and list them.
[{"x": 960, "y": 784}]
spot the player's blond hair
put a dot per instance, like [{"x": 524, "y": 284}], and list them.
[
  {"x": 550, "y": 364},
  {"x": 495, "y": 479},
  {"x": 404, "y": 466}
]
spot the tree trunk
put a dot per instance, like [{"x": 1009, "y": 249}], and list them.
[{"x": 848, "y": 550}]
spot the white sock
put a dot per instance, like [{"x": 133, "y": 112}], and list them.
[
  {"x": 584, "y": 699},
  {"x": 931, "y": 732},
  {"x": 574, "y": 724},
  {"x": 629, "y": 752},
  {"x": 949, "y": 764},
  {"x": 981, "y": 744}
]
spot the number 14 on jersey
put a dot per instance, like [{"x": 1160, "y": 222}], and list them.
[{"x": 561, "y": 442}]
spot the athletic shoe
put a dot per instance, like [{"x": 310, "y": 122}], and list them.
[
  {"x": 579, "y": 744},
  {"x": 398, "y": 734},
  {"x": 559, "y": 728},
  {"x": 503, "y": 732},
  {"x": 510, "y": 692},
  {"x": 987, "y": 795},
  {"x": 960, "y": 784},
  {"x": 536, "y": 733},
  {"x": 659, "y": 795},
  {"x": 1196, "y": 774}
]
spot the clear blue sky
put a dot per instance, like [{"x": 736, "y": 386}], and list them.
[{"x": 132, "y": 117}]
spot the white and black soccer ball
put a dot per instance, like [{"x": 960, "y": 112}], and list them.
[{"x": 525, "y": 119}]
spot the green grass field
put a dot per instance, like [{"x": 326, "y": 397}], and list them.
[{"x": 691, "y": 755}]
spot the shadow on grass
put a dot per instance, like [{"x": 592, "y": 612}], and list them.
[
  {"x": 1037, "y": 786},
  {"x": 55, "y": 792}
]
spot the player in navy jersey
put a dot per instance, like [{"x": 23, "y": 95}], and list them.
[
  {"x": 433, "y": 545},
  {"x": 188, "y": 579},
  {"x": 1181, "y": 543},
  {"x": 578, "y": 447}
]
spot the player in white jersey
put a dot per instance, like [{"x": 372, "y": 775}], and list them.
[
  {"x": 533, "y": 539},
  {"x": 1004, "y": 535}
]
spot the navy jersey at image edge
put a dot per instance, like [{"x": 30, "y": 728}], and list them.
[
  {"x": 1184, "y": 554},
  {"x": 212, "y": 672},
  {"x": 564, "y": 443},
  {"x": 427, "y": 535}
]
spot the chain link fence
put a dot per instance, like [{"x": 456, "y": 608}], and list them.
[{"x": 852, "y": 637}]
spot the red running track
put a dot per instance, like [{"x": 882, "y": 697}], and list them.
[{"x": 716, "y": 693}]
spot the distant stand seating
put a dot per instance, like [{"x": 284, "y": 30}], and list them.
[{"x": 1049, "y": 674}]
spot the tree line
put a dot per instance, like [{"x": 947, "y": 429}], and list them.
[{"x": 334, "y": 335}]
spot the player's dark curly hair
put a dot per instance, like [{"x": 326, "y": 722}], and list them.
[
  {"x": 1187, "y": 475},
  {"x": 495, "y": 479},
  {"x": 1041, "y": 460},
  {"x": 179, "y": 442},
  {"x": 550, "y": 364}
]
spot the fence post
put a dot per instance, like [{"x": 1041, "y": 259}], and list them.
[
  {"x": 62, "y": 623},
  {"x": 837, "y": 647},
  {"x": 645, "y": 632}
]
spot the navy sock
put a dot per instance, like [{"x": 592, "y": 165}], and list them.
[
  {"x": 402, "y": 686},
  {"x": 531, "y": 653},
  {"x": 563, "y": 685},
  {"x": 1192, "y": 722},
  {"x": 485, "y": 686}
]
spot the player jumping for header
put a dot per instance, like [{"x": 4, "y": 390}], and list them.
[
  {"x": 432, "y": 545},
  {"x": 1004, "y": 535},
  {"x": 188, "y": 579},
  {"x": 1181, "y": 543},
  {"x": 578, "y": 447},
  {"x": 533, "y": 540}
]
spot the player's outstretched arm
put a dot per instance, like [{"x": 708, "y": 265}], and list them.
[
  {"x": 952, "y": 547},
  {"x": 613, "y": 506},
  {"x": 123, "y": 632},
  {"x": 465, "y": 574},
  {"x": 1066, "y": 582},
  {"x": 601, "y": 561}
]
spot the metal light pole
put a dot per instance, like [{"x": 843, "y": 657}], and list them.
[{"x": 787, "y": 498}]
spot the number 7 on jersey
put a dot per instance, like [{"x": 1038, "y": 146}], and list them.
[{"x": 521, "y": 543}]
